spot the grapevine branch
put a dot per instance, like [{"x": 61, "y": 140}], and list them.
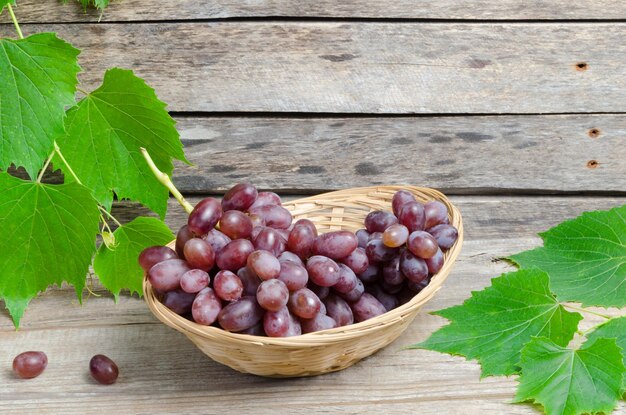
[
  {"x": 166, "y": 181},
  {"x": 585, "y": 310},
  {"x": 15, "y": 23}
]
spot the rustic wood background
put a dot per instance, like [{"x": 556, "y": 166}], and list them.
[{"x": 516, "y": 109}]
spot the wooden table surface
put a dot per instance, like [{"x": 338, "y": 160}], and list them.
[{"x": 515, "y": 109}]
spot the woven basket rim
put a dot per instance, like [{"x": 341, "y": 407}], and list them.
[{"x": 338, "y": 334}]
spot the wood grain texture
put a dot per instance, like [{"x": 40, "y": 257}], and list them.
[
  {"x": 53, "y": 11},
  {"x": 456, "y": 154},
  {"x": 161, "y": 372},
  {"x": 347, "y": 67}
]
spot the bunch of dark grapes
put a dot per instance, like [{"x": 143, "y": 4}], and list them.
[{"x": 242, "y": 265}]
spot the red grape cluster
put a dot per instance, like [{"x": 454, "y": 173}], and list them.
[{"x": 262, "y": 274}]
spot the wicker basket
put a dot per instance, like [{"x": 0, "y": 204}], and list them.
[{"x": 329, "y": 350}]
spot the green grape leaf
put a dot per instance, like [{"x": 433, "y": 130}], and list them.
[
  {"x": 3, "y": 3},
  {"x": 585, "y": 258},
  {"x": 105, "y": 131},
  {"x": 117, "y": 266},
  {"x": 614, "y": 328},
  {"x": 493, "y": 325},
  {"x": 48, "y": 236},
  {"x": 571, "y": 382},
  {"x": 37, "y": 81},
  {"x": 100, "y": 4}
]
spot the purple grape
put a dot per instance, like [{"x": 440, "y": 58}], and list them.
[
  {"x": 373, "y": 236},
  {"x": 284, "y": 233},
  {"x": 183, "y": 235},
  {"x": 250, "y": 281},
  {"x": 391, "y": 272},
  {"x": 446, "y": 235},
  {"x": 366, "y": 307},
  {"x": 362, "y": 236},
  {"x": 272, "y": 295},
  {"x": 165, "y": 276},
  {"x": 217, "y": 240},
  {"x": 206, "y": 307},
  {"x": 321, "y": 292},
  {"x": 276, "y": 323},
  {"x": 400, "y": 198},
  {"x": 335, "y": 245},
  {"x": 266, "y": 198},
  {"x": 391, "y": 288},
  {"x": 264, "y": 264},
  {"x": 357, "y": 261},
  {"x": 256, "y": 330},
  {"x": 435, "y": 263},
  {"x": 395, "y": 235},
  {"x": 323, "y": 271},
  {"x": 339, "y": 310},
  {"x": 318, "y": 323},
  {"x": 379, "y": 220},
  {"x": 302, "y": 238},
  {"x": 235, "y": 224},
  {"x": 256, "y": 221},
  {"x": 199, "y": 254},
  {"x": 228, "y": 286},
  {"x": 377, "y": 251},
  {"x": 103, "y": 369},
  {"x": 240, "y": 315},
  {"x": 412, "y": 216},
  {"x": 239, "y": 197},
  {"x": 435, "y": 213},
  {"x": 371, "y": 274},
  {"x": 347, "y": 279},
  {"x": 204, "y": 216},
  {"x": 28, "y": 365},
  {"x": 412, "y": 267},
  {"x": 293, "y": 275},
  {"x": 355, "y": 294},
  {"x": 179, "y": 301},
  {"x": 151, "y": 256},
  {"x": 387, "y": 300},
  {"x": 422, "y": 244},
  {"x": 295, "y": 329},
  {"x": 234, "y": 255},
  {"x": 267, "y": 239},
  {"x": 304, "y": 303},
  {"x": 194, "y": 281},
  {"x": 417, "y": 286},
  {"x": 273, "y": 215},
  {"x": 290, "y": 257}
]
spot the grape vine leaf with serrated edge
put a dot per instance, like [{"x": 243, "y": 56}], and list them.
[
  {"x": 117, "y": 266},
  {"x": 48, "y": 236},
  {"x": 494, "y": 324},
  {"x": 100, "y": 4},
  {"x": 585, "y": 258},
  {"x": 614, "y": 328},
  {"x": 37, "y": 81},
  {"x": 105, "y": 131},
  {"x": 571, "y": 382}
]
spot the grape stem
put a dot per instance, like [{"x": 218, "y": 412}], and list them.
[
  {"x": 106, "y": 212},
  {"x": 584, "y": 310},
  {"x": 45, "y": 166},
  {"x": 15, "y": 23},
  {"x": 166, "y": 181}
]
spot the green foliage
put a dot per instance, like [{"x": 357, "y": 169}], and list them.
[
  {"x": 494, "y": 324},
  {"x": 585, "y": 258},
  {"x": 104, "y": 133},
  {"x": 48, "y": 236},
  {"x": 37, "y": 81},
  {"x": 614, "y": 328},
  {"x": 571, "y": 382},
  {"x": 117, "y": 266},
  {"x": 3, "y": 3},
  {"x": 519, "y": 324},
  {"x": 100, "y": 4}
]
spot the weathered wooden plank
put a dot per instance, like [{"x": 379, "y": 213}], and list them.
[
  {"x": 342, "y": 67},
  {"x": 52, "y": 11},
  {"x": 163, "y": 372},
  {"x": 458, "y": 154}
]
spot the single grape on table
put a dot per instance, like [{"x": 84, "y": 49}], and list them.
[{"x": 244, "y": 264}]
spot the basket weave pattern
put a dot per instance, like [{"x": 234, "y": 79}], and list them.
[{"x": 328, "y": 350}]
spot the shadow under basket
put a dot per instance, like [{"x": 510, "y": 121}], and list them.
[{"x": 328, "y": 350}]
